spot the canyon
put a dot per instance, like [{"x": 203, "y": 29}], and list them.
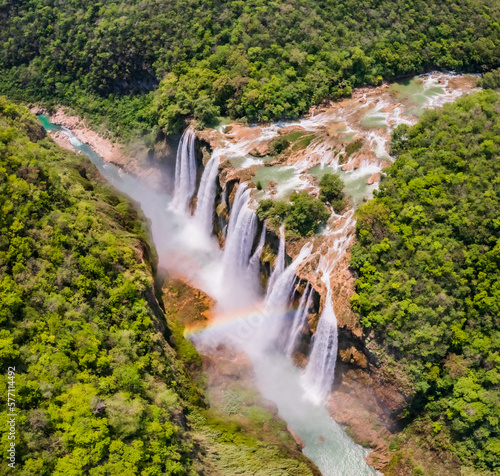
[{"x": 282, "y": 301}]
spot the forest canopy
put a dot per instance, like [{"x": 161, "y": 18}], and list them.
[
  {"x": 254, "y": 59},
  {"x": 98, "y": 388},
  {"x": 301, "y": 215},
  {"x": 428, "y": 266},
  {"x": 105, "y": 382}
]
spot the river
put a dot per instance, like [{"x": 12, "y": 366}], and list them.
[{"x": 185, "y": 248}]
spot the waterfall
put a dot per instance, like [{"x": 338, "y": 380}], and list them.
[
  {"x": 238, "y": 202},
  {"x": 299, "y": 320},
  {"x": 320, "y": 370},
  {"x": 204, "y": 213},
  {"x": 185, "y": 171},
  {"x": 279, "y": 265},
  {"x": 240, "y": 236},
  {"x": 254, "y": 264},
  {"x": 278, "y": 296}
]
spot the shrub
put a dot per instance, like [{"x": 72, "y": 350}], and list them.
[
  {"x": 490, "y": 80},
  {"x": 306, "y": 213},
  {"x": 279, "y": 145},
  {"x": 353, "y": 147},
  {"x": 301, "y": 216},
  {"x": 331, "y": 186}
]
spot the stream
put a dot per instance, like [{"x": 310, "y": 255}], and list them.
[{"x": 250, "y": 318}]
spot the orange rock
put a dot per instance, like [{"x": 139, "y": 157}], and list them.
[
  {"x": 261, "y": 149},
  {"x": 373, "y": 178}
]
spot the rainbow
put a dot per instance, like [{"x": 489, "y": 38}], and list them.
[{"x": 251, "y": 316}]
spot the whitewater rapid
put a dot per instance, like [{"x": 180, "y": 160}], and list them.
[{"x": 185, "y": 248}]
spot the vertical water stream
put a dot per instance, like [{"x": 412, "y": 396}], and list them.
[
  {"x": 240, "y": 237},
  {"x": 185, "y": 248},
  {"x": 206, "y": 195},
  {"x": 185, "y": 170},
  {"x": 320, "y": 369},
  {"x": 299, "y": 320},
  {"x": 279, "y": 265}
]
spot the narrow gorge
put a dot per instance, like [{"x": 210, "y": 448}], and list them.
[{"x": 280, "y": 298}]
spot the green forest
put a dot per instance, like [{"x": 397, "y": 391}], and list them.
[
  {"x": 428, "y": 273},
  {"x": 142, "y": 65},
  {"x": 105, "y": 383},
  {"x": 302, "y": 214},
  {"x": 94, "y": 377}
]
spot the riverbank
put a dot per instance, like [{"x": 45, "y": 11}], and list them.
[
  {"x": 242, "y": 431},
  {"x": 131, "y": 158}
]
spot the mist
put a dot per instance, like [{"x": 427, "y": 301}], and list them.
[{"x": 244, "y": 317}]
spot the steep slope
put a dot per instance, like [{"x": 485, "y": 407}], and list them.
[
  {"x": 95, "y": 377},
  {"x": 428, "y": 275},
  {"x": 103, "y": 383}
]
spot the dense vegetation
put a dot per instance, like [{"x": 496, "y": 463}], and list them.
[
  {"x": 330, "y": 191},
  {"x": 261, "y": 60},
  {"x": 428, "y": 264},
  {"x": 490, "y": 80},
  {"x": 102, "y": 385},
  {"x": 98, "y": 389},
  {"x": 278, "y": 145},
  {"x": 301, "y": 215}
]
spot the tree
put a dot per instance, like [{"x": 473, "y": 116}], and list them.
[{"x": 331, "y": 186}]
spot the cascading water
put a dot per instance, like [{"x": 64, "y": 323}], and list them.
[
  {"x": 238, "y": 202},
  {"x": 254, "y": 264},
  {"x": 279, "y": 294},
  {"x": 299, "y": 320},
  {"x": 185, "y": 171},
  {"x": 320, "y": 370},
  {"x": 279, "y": 265},
  {"x": 240, "y": 237},
  {"x": 204, "y": 213}
]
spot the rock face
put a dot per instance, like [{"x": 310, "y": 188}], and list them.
[
  {"x": 261, "y": 149},
  {"x": 61, "y": 139},
  {"x": 373, "y": 178}
]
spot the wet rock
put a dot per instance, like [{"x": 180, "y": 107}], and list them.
[
  {"x": 61, "y": 139},
  {"x": 297, "y": 438},
  {"x": 37, "y": 110},
  {"x": 299, "y": 360},
  {"x": 373, "y": 178},
  {"x": 273, "y": 187},
  {"x": 335, "y": 130},
  {"x": 353, "y": 356},
  {"x": 355, "y": 404},
  {"x": 261, "y": 149}
]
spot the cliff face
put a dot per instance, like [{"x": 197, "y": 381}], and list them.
[
  {"x": 239, "y": 431},
  {"x": 365, "y": 397}
]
